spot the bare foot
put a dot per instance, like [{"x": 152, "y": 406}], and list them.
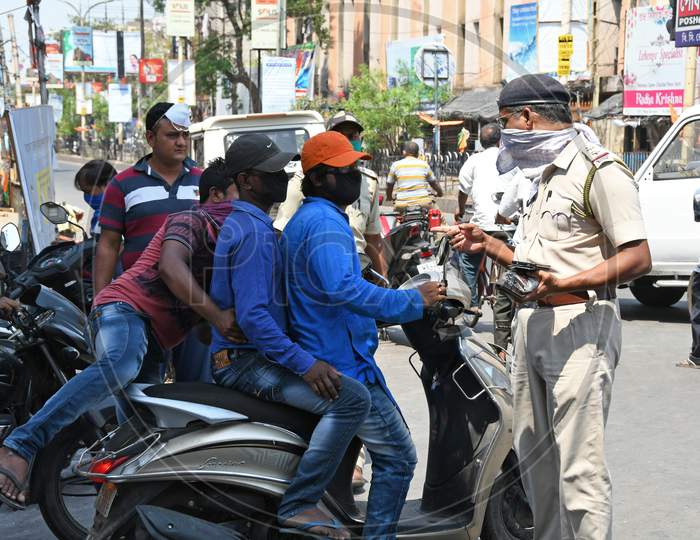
[
  {"x": 19, "y": 468},
  {"x": 316, "y": 515}
]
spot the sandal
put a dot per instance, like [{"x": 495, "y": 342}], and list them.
[
  {"x": 688, "y": 364},
  {"x": 12, "y": 503},
  {"x": 303, "y": 529}
]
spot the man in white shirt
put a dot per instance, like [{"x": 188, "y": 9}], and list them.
[{"x": 479, "y": 178}]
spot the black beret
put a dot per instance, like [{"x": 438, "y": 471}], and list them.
[{"x": 533, "y": 90}]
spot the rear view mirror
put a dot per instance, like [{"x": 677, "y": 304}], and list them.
[
  {"x": 696, "y": 205},
  {"x": 55, "y": 213},
  {"x": 9, "y": 237}
]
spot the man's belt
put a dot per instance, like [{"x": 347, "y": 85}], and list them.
[
  {"x": 567, "y": 299},
  {"x": 220, "y": 359}
]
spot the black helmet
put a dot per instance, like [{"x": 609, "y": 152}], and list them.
[{"x": 343, "y": 117}]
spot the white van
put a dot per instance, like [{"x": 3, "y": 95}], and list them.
[
  {"x": 211, "y": 137},
  {"x": 667, "y": 182}
]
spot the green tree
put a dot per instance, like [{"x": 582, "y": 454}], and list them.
[
  {"x": 388, "y": 115},
  {"x": 69, "y": 120},
  {"x": 222, "y": 54},
  {"x": 100, "y": 116}
]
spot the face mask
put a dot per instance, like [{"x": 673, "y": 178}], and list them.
[
  {"x": 93, "y": 201},
  {"x": 275, "y": 186},
  {"x": 347, "y": 187},
  {"x": 357, "y": 145}
]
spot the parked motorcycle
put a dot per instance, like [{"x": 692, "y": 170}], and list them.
[
  {"x": 226, "y": 457},
  {"x": 45, "y": 343}
]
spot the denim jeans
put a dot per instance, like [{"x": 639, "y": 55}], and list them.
[
  {"x": 122, "y": 348},
  {"x": 191, "y": 359},
  {"x": 694, "y": 302},
  {"x": 470, "y": 263},
  {"x": 362, "y": 410}
]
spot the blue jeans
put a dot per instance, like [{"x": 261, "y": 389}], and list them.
[
  {"x": 362, "y": 410},
  {"x": 470, "y": 263},
  {"x": 191, "y": 359},
  {"x": 122, "y": 348}
]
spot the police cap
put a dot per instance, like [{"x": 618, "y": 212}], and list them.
[{"x": 533, "y": 90}]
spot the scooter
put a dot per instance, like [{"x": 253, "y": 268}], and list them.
[{"x": 226, "y": 457}]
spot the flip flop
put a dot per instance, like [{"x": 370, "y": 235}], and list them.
[
  {"x": 11, "y": 503},
  {"x": 688, "y": 364},
  {"x": 304, "y": 528}
]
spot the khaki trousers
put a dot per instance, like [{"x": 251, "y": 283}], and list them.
[{"x": 565, "y": 359}]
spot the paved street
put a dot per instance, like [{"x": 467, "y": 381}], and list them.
[{"x": 652, "y": 439}]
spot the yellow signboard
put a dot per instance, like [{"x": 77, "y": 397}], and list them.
[{"x": 566, "y": 51}]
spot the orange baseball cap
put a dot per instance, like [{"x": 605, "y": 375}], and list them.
[{"x": 329, "y": 148}]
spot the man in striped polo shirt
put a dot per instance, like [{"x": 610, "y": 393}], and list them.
[
  {"x": 138, "y": 201},
  {"x": 413, "y": 179}
]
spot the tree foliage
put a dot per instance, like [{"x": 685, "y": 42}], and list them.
[{"x": 388, "y": 115}]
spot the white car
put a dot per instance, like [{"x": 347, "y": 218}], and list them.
[{"x": 668, "y": 180}]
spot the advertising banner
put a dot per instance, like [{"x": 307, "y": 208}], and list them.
[
  {"x": 119, "y": 102},
  {"x": 654, "y": 68},
  {"x": 179, "y": 18},
  {"x": 181, "y": 82},
  {"x": 32, "y": 132},
  {"x": 54, "y": 70},
  {"x": 548, "y": 47},
  {"x": 77, "y": 47},
  {"x": 56, "y": 103},
  {"x": 278, "y": 84},
  {"x": 522, "y": 41},
  {"x": 83, "y": 99},
  {"x": 400, "y": 57},
  {"x": 150, "y": 70},
  {"x": 264, "y": 16},
  {"x": 132, "y": 53},
  {"x": 104, "y": 57},
  {"x": 687, "y": 23}
]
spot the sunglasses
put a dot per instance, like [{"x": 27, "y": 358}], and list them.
[{"x": 503, "y": 120}]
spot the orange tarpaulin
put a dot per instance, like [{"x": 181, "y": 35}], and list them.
[{"x": 430, "y": 120}]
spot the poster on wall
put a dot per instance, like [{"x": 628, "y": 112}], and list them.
[
  {"x": 278, "y": 84},
  {"x": 32, "y": 132},
  {"x": 522, "y": 41},
  {"x": 400, "y": 57},
  {"x": 654, "y": 68}
]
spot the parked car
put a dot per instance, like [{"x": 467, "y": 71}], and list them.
[{"x": 667, "y": 181}]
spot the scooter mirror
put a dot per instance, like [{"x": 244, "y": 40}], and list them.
[
  {"x": 55, "y": 213},
  {"x": 9, "y": 237}
]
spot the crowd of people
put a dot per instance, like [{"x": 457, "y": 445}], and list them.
[{"x": 291, "y": 319}]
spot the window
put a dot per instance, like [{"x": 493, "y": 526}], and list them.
[
  {"x": 198, "y": 149},
  {"x": 289, "y": 140},
  {"x": 681, "y": 158}
]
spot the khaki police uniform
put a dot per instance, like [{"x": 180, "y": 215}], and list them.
[
  {"x": 363, "y": 214},
  {"x": 565, "y": 356}
]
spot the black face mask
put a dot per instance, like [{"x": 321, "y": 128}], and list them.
[
  {"x": 275, "y": 186},
  {"x": 347, "y": 187}
]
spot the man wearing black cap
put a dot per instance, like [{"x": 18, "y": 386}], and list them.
[
  {"x": 249, "y": 278},
  {"x": 583, "y": 223},
  {"x": 363, "y": 214}
]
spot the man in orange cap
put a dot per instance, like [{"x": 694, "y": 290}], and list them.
[{"x": 332, "y": 312}]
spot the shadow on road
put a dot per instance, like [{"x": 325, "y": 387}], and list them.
[{"x": 631, "y": 310}]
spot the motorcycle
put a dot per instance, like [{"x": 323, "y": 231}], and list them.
[
  {"x": 45, "y": 343},
  {"x": 407, "y": 246},
  {"x": 226, "y": 457}
]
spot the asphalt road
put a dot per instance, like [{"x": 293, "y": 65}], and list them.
[{"x": 652, "y": 439}]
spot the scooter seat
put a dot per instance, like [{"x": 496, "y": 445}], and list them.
[{"x": 257, "y": 410}]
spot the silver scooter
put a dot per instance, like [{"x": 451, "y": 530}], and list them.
[{"x": 226, "y": 457}]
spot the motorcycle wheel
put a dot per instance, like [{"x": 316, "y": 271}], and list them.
[
  {"x": 508, "y": 514},
  {"x": 65, "y": 499}
]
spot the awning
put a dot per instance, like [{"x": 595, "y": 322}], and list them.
[
  {"x": 476, "y": 104},
  {"x": 442, "y": 123}
]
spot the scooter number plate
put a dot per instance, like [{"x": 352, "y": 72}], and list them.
[
  {"x": 105, "y": 498},
  {"x": 431, "y": 266}
]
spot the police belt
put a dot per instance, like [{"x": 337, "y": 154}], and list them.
[{"x": 575, "y": 297}]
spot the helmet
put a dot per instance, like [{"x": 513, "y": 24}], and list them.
[{"x": 343, "y": 117}]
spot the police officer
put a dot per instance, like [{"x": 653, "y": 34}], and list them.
[
  {"x": 363, "y": 213},
  {"x": 583, "y": 221}
]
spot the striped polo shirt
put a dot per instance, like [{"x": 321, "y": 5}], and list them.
[
  {"x": 138, "y": 200},
  {"x": 411, "y": 176}
]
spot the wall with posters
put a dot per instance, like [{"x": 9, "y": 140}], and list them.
[{"x": 654, "y": 68}]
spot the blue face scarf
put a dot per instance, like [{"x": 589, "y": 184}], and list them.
[
  {"x": 357, "y": 145},
  {"x": 93, "y": 201}
]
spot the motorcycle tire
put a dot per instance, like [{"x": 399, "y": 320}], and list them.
[
  {"x": 508, "y": 515},
  {"x": 51, "y": 465}
]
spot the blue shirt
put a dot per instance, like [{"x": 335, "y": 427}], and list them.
[
  {"x": 332, "y": 309},
  {"x": 249, "y": 276}
]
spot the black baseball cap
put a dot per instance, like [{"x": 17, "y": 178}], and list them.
[
  {"x": 256, "y": 151},
  {"x": 533, "y": 90},
  {"x": 343, "y": 117}
]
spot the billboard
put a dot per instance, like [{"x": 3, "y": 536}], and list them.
[
  {"x": 54, "y": 70},
  {"x": 179, "y": 18},
  {"x": 104, "y": 59},
  {"x": 150, "y": 70},
  {"x": 278, "y": 84},
  {"x": 77, "y": 47},
  {"x": 181, "y": 82},
  {"x": 521, "y": 48},
  {"x": 687, "y": 23},
  {"x": 132, "y": 52},
  {"x": 119, "y": 102},
  {"x": 265, "y": 31},
  {"x": 400, "y": 56},
  {"x": 654, "y": 68}
]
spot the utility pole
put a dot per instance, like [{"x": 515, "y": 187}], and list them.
[
  {"x": 691, "y": 58},
  {"x": 5, "y": 73},
  {"x": 593, "y": 32},
  {"x": 139, "y": 101},
  {"x": 282, "y": 41},
  {"x": 15, "y": 61},
  {"x": 37, "y": 35}
]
